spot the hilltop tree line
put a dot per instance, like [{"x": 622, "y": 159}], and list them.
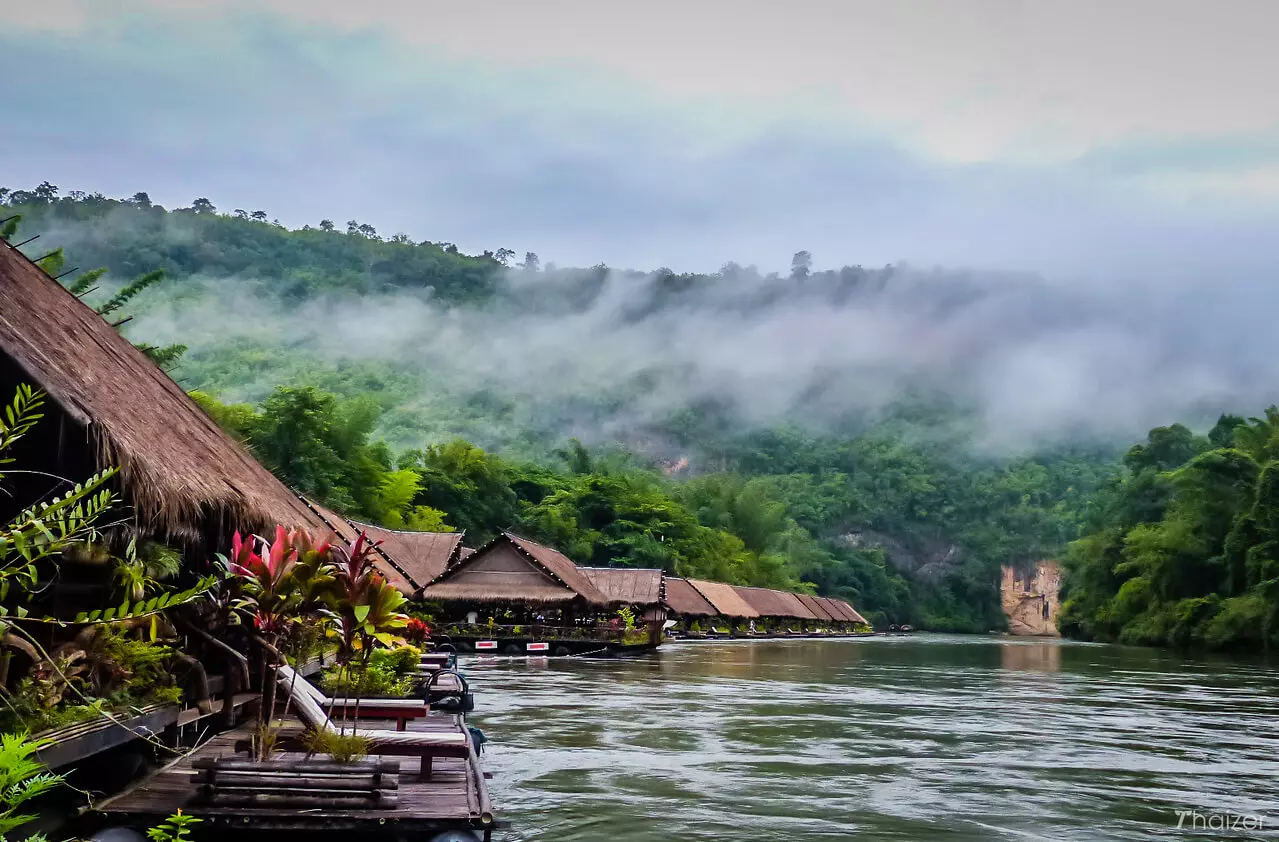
[{"x": 895, "y": 512}]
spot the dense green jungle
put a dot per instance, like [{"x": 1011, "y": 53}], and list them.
[{"x": 693, "y": 422}]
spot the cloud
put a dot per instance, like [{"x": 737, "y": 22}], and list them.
[
  {"x": 683, "y": 137},
  {"x": 1032, "y": 363},
  {"x": 978, "y": 80}
]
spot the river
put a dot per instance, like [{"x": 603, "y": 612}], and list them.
[{"x": 902, "y": 738}]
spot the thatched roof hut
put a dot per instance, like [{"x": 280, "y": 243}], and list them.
[
  {"x": 774, "y": 603},
  {"x": 851, "y": 613},
  {"x": 627, "y": 585},
  {"x": 796, "y": 606},
  {"x": 828, "y": 605},
  {"x": 815, "y": 606},
  {"x": 511, "y": 569},
  {"x": 684, "y": 600},
  {"x": 422, "y": 556},
  {"x": 185, "y": 478},
  {"x": 725, "y": 600}
]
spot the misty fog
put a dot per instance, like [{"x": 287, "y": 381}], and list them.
[{"x": 603, "y": 353}]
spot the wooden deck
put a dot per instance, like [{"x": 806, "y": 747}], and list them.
[{"x": 454, "y": 797}]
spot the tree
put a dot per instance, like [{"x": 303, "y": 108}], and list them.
[
  {"x": 141, "y": 199},
  {"x": 258, "y": 215},
  {"x": 530, "y": 263},
  {"x": 240, "y": 213},
  {"x": 368, "y": 231},
  {"x": 203, "y": 205},
  {"x": 326, "y": 225},
  {"x": 801, "y": 266},
  {"x": 503, "y": 255},
  {"x": 45, "y": 192}
]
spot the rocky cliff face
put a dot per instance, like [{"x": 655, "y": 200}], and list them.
[{"x": 1031, "y": 599}]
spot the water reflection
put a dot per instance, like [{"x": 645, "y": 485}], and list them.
[
  {"x": 1030, "y": 655},
  {"x": 885, "y": 738}
]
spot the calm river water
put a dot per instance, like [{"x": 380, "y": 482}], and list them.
[{"x": 905, "y": 738}]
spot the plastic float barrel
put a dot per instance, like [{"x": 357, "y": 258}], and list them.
[
  {"x": 477, "y": 738},
  {"x": 117, "y": 834},
  {"x": 456, "y": 836}
]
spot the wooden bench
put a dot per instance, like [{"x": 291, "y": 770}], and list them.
[{"x": 369, "y": 784}]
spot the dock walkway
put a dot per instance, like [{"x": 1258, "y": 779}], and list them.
[{"x": 454, "y": 797}]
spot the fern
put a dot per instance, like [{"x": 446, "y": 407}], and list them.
[
  {"x": 165, "y": 355},
  {"x": 48, "y": 527},
  {"x": 22, "y": 778},
  {"x": 19, "y": 417},
  {"x": 85, "y": 282},
  {"x": 141, "y": 608},
  {"x": 52, "y": 262},
  {"x": 122, "y": 297}
]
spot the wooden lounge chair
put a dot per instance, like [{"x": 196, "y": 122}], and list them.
[
  {"x": 401, "y": 710},
  {"x": 422, "y": 744}
]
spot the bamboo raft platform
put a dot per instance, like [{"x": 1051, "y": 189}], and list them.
[{"x": 453, "y": 797}]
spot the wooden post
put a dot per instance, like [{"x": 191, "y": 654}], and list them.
[{"x": 230, "y": 686}]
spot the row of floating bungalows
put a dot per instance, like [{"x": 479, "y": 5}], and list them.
[{"x": 516, "y": 596}]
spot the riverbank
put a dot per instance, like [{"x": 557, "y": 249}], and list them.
[{"x": 914, "y": 737}]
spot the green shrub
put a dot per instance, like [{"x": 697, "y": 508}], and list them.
[{"x": 344, "y": 748}]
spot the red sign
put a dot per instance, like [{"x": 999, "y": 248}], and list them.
[
  {"x": 539, "y": 647},
  {"x": 485, "y": 644}
]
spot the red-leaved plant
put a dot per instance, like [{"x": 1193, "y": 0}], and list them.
[
  {"x": 281, "y": 581},
  {"x": 417, "y": 631}
]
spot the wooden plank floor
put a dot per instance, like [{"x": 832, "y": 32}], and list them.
[{"x": 452, "y": 797}]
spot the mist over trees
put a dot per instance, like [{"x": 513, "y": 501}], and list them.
[{"x": 889, "y": 435}]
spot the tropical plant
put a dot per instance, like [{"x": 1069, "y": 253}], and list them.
[
  {"x": 342, "y": 747},
  {"x": 22, "y": 778},
  {"x": 365, "y": 609},
  {"x": 176, "y": 828},
  {"x": 280, "y": 581},
  {"x": 417, "y": 631},
  {"x": 49, "y": 526}
]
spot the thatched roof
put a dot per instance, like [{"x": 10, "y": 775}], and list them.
[
  {"x": 796, "y": 606},
  {"x": 627, "y": 585},
  {"x": 851, "y": 612},
  {"x": 684, "y": 599},
  {"x": 348, "y": 531},
  {"x": 832, "y": 609},
  {"x": 559, "y": 566},
  {"x": 725, "y": 600},
  {"x": 514, "y": 569},
  {"x": 815, "y": 606},
  {"x": 182, "y": 474},
  {"x": 773, "y": 603},
  {"x": 421, "y": 555}
]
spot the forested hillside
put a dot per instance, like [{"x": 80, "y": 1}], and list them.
[
  {"x": 869, "y": 433},
  {"x": 1183, "y": 549}
]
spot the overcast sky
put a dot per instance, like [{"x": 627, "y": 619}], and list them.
[{"x": 1134, "y": 140}]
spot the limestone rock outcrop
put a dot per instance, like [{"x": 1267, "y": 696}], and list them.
[{"x": 1031, "y": 599}]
